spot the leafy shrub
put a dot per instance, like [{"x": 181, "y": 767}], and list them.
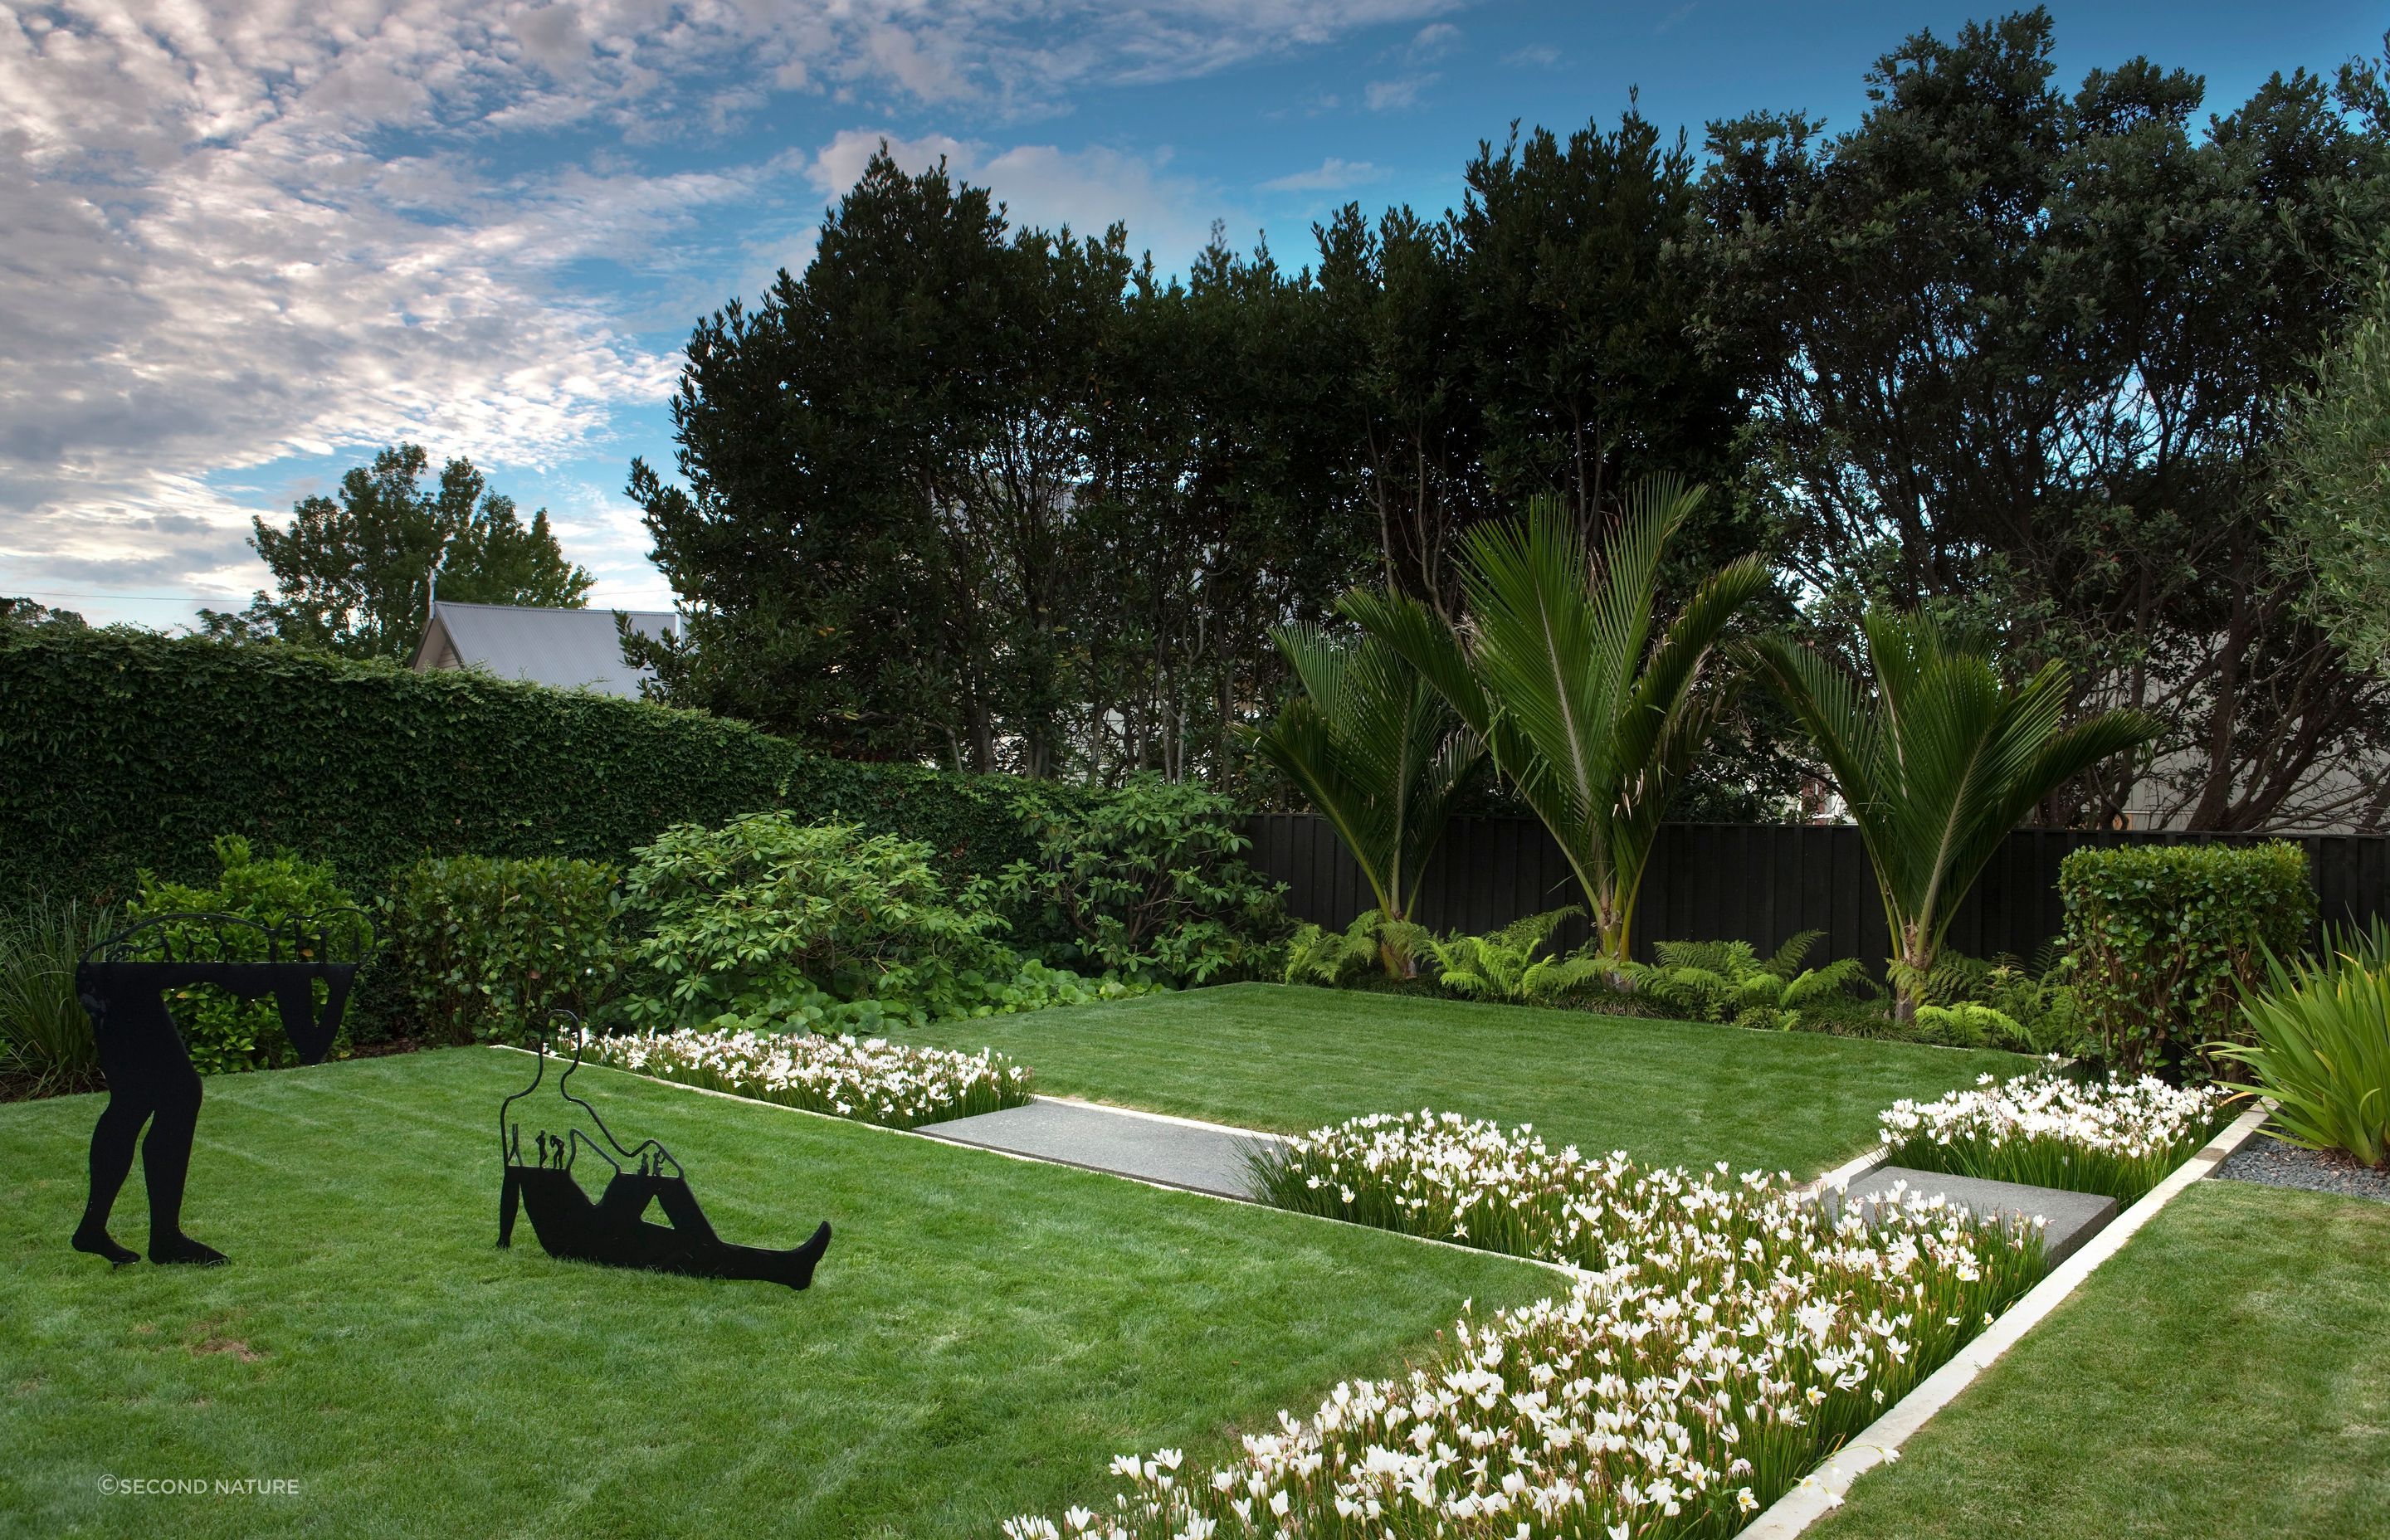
[
  {"x": 1505, "y": 965},
  {"x": 45, "y": 1042},
  {"x": 2319, "y": 1046},
  {"x": 1722, "y": 981},
  {"x": 1149, "y": 883},
  {"x": 2163, "y": 941},
  {"x": 780, "y": 924},
  {"x": 485, "y": 946},
  {"x": 1345, "y": 958},
  {"x": 223, "y": 1033}
]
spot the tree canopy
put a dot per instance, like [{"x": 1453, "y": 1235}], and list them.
[
  {"x": 353, "y": 573},
  {"x": 2020, "y": 356}
]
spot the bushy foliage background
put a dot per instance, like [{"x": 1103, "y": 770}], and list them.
[{"x": 125, "y": 751}]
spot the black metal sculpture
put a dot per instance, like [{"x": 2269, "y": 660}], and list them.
[
  {"x": 614, "y": 1229},
  {"x": 151, "y": 1080}
]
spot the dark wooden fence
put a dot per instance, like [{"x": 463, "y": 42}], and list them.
[{"x": 1756, "y": 883}]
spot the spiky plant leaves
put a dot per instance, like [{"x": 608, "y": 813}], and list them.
[
  {"x": 1938, "y": 760},
  {"x": 1380, "y": 754},
  {"x": 1591, "y": 710}
]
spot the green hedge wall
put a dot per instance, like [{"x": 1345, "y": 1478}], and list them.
[{"x": 121, "y": 751}]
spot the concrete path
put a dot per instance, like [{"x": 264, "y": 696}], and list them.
[
  {"x": 2071, "y": 1218},
  {"x": 1175, "y": 1152}
]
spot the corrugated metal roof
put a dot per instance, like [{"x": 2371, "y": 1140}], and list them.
[{"x": 568, "y": 648}]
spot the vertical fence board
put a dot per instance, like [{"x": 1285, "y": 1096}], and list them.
[{"x": 1760, "y": 883}]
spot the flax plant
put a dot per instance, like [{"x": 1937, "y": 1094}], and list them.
[
  {"x": 2321, "y": 1047},
  {"x": 45, "y": 1041}
]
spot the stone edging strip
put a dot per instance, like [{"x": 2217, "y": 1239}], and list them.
[{"x": 1820, "y": 1491}]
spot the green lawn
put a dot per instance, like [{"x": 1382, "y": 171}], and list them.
[
  {"x": 2228, "y": 1373},
  {"x": 983, "y": 1335},
  {"x": 1288, "y": 1058}
]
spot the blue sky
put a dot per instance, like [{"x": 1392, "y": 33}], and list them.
[{"x": 246, "y": 241}]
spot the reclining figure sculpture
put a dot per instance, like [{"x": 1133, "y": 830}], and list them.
[
  {"x": 614, "y": 1230},
  {"x": 150, "y": 1078}
]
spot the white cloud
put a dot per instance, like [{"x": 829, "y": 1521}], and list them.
[
  {"x": 1045, "y": 185},
  {"x": 241, "y": 231},
  {"x": 1434, "y": 40},
  {"x": 1330, "y": 175},
  {"x": 1540, "y": 55},
  {"x": 1393, "y": 96}
]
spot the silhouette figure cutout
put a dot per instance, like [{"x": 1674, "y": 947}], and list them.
[
  {"x": 150, "y": 1079},
  {"x": 614, "y": 1230}
]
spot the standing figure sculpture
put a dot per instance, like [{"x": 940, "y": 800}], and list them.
[{"x": 150, "y": 1079}]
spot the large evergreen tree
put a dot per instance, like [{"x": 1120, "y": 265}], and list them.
[{"x": 2017, "y": 354}]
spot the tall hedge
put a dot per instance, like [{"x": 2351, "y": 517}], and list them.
[{"x": 121, "y": 751}]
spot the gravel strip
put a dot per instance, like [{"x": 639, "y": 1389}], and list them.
[{"x": 2278, "y": 1165}]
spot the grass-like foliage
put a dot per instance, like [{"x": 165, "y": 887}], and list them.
[
  {"x": 2114, "y": 1137},
  {"x": 2320, "y": 1046},
  {"x": 45, "y": 1042},
  {"x": 870, "y": 1080},
  {"x": 1727, "y": 1335}
]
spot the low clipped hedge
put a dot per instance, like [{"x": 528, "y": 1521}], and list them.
[
  {"x": 124, "y": 750},
  {"x": 2161, "y": 940}
]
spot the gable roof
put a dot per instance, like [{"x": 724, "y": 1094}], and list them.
[{"x": 568, "y": 648}]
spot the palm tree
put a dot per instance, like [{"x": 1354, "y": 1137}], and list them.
[
  {"x": 1937, "y": 763},
  {"x": 1593, "y": 714},
  {"x": 1379, "y": 754}
]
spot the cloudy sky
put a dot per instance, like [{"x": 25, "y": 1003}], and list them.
[{"x": 243, "y": 242}]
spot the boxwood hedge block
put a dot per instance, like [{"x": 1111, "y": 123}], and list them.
[{"x": 2160, "y": 940}]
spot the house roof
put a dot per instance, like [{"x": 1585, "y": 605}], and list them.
[{"x": 568, "y": 648}]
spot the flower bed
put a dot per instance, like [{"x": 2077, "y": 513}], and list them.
[
  {"x": 2117, "y": 1137},
  {"x": 871, "y": 1080},
  {"x": 1724, "y": 1337}
]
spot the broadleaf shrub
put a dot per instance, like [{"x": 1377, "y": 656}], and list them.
[
  {"x": 2162, "y": 940},
  {"x": 484, "y": 947},
  {"x": 1149, "y": 883},
  {"x": 771, "y": 924},
  {"x": 128, "y": 751},
  {"x": 225, "y": 1033}
]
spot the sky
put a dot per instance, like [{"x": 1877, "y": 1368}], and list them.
[{"x": 244, "y": 243}]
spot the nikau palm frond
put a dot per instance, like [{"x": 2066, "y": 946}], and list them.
[
  {"x": 1593, "y": 717},
  {"x": 1937, "y": 762},
  {"x": 1379, "y": 754}
]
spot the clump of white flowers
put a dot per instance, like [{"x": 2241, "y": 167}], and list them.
[
  {"x": 1721, "y": 1336},
  {"x": 870, "y": 1080},
  {"x": 2114, "y": 1136}
]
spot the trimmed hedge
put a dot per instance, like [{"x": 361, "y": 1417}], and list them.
[
  {"x": 2161, "y": 940},
  {"x": 123, "y": 750}
]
